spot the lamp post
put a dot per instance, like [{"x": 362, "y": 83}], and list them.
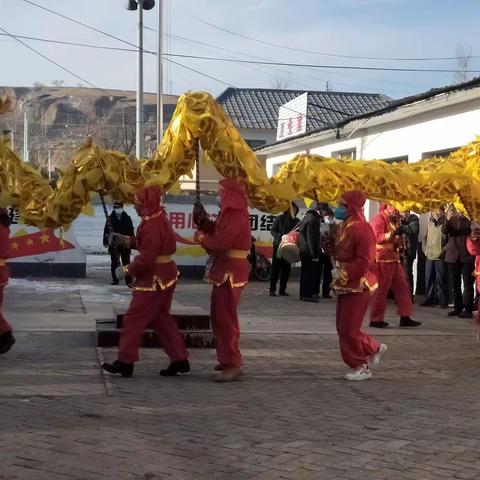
[
  {"x": 160, "y": 73},
  {"x": 140, "y": 6},
  {"x": 25, "y": 106}
]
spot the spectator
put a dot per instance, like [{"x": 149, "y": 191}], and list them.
[
  {"x": 121, "y": 223},
  {"x": 436, "y": 272},
  {"x": 460, "y": 263},
  {"x": 309, "y": 245},
  {"x": 282, "y": 225},
  {"x": 327, "y": 238},
  {"x": 411, "y": 227}
]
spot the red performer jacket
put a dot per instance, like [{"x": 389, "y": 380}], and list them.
[
  {"x": 354, "y": 250},
  {"x": 4, "y": 244},
  {"x": 153, "y": 267},
  {"x": 473, "y": 247},
  {"x": 228, "y": 239},
  {"x": 388, "y": 244}
]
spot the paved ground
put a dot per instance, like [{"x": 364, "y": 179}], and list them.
[{"x": 293, "y": 417}]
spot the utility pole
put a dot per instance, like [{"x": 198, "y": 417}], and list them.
[
  {"x": 140, "y": 116},
  {"x": 160, "y": 73},
  {"x": 25, "y": 107},
  {"x": 140, "y": 6}
]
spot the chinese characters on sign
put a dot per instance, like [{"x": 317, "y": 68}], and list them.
[{"x": 292, "y": 117}]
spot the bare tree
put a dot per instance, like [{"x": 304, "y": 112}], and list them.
[
  {"x": 58, "y": 83},
  {"x": 463, "y": 52},
  {"x": 280, "y": 82},
  {"x": 37, "y": 85},
  {"x": 120, "y": 137}
]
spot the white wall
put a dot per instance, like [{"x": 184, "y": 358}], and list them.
[{"x": 449, "y": 126}]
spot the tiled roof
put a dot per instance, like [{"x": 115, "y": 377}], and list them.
[{"x": 258, "y": 107}]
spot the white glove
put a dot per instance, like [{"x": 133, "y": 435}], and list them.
[
  {"x": 119, "y": 273},
  {"x": 316, "y": 260},
  {"x": 116, "y": 240},
  {"x": 334, "y": 274}
]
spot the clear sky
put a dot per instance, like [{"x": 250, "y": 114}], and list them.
[{"x": 370, "y": 28}]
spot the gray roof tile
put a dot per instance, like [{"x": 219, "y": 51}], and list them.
[{"x": 258, "y": 107}]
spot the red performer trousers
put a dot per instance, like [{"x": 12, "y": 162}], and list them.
[
  {"x": 355, "y": 345},
  {"x": 4, "y": 325},
  {"x": 391, "y": 276},
  {"x": 225, "y": 326},
  {"x": 151, "y": 309}
]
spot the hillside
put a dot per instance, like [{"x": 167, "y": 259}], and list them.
[{"x": 61, "y": 117}]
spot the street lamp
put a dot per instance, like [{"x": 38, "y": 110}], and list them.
[
  {"x": 25, "y": 107},
  {"x": 140, "y": 5}
]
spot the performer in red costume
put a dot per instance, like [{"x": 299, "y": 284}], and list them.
[
  {"x": 6, "y": 337},
  {"x": 155, "y": 276},
  {"x": 228, "y": 240},
  {"x": 353, "y": 285},
  {"x": 473, "y": 247},
  {"x": 391, "y": 275}
]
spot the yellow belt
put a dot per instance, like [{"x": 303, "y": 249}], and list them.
[
  {"x": 163, "y": 259},
  {"x": 2, "y": 262},
  {"x": 237, "y": 253},
  {"x": 388, "y": 246}
]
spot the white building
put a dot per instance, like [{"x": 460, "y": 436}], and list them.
[{"x": 433, "y": 123}]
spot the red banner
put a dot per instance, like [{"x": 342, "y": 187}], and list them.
[{"x": 37, "y": 243}]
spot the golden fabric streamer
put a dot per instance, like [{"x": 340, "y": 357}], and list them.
[{"x": 417, "y": 186}]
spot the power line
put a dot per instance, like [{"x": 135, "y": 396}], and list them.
[
  {"x": 65, "y": 17},
  {"x": 278, "y": 45},
  {"x": 311, "y": 65}
]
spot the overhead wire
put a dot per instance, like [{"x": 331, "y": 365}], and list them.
[{"x": 328, "y": 54}]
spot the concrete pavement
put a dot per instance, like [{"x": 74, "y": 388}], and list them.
[{"x": 293, "y": 416}]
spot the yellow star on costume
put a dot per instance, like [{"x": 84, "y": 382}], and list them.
[
  {"x": 14, "y": 245},
  {"x": 29, "y": 242},
  {"x": 45, "y": 238}
]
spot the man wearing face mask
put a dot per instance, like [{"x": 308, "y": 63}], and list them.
[
  {"x": 228, "y": 240},
  {"x": 355, "y": 281},
  {"x": 388, "y": 232},
  {"x": 6, "y": 337},
  {"x": 122, "y": 224},
  {"x": 155, "y": 275}
]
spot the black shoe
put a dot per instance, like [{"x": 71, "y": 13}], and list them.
[
  {"x": 272, "y": 293},
  {"x": 6, "y": 342},
  {"x": 311, "y": 299},
  {"x": 408, "y": 322},
  {"x": 381, "y": 324},
  {"x": 425, "y": 304},
  {"x": 443, "y": 307},
  {"x": 454, "y": 313},
  {"x": 180, "y": 366},
  {"x": 114, "y": 282},
  {"x": 124, "y": 369},
  {"x": 284, "y": 294},
  {"x": 466, "y": 315},
  {"x": 326, "y": 296}
]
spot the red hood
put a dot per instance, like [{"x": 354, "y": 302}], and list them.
[
  {"x": 151, "y": 199},
  {"x": 355, "y": 200},
  {"x": 232, "y": 195}
]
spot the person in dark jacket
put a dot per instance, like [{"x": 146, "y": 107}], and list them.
[
  {"x": 410, "y": 227},
  {"x": 327, "y": 239},
  {"x": 282, "y": 225},
  {"x": 309, "y": 246},
  {"x": 122, "y": 224},
  {"x": 460, "y": 263}
]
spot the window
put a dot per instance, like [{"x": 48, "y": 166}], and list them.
[
  {"x": 255, "y": 143},
  {"x": 439, "y": 153},
  {"x": 403, "y": 158},
  {"x": 350, "y": 154}
]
